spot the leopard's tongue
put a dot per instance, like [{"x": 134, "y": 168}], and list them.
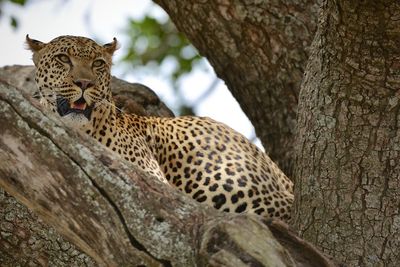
[{"x": 80, "y": 106}]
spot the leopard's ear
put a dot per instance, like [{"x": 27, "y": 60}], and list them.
[
  {"x": 111, "y": 47},
  {"x": 35, "y": 46}
]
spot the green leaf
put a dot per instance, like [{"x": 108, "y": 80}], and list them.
[
  {"x": 13, "y": 22},
  {"x": 19, "y": 2}
]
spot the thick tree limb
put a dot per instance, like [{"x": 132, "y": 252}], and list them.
[{"x": 118, "y": 215}]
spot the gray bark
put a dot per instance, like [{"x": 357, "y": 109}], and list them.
[
  {"x": 347, "y": 171},
  {"x": 112, "y": 212},
  {"x": 260, "y": 50},
  {"x": 26, "y": 241}
]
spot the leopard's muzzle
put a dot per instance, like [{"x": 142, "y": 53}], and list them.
[{"x": 80, "y": 106}]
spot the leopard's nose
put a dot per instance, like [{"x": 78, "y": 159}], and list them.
[{"x": 83, "y": 83}]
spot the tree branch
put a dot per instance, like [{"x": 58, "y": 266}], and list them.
[{"x": 116, "y": 214}]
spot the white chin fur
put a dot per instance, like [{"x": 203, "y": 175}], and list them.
[{"x": 75, "y": 120}]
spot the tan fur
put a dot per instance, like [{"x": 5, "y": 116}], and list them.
[{"x": 203, "y": 158}]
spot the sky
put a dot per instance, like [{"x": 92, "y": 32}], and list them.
[{"x": 102, "y": 20}]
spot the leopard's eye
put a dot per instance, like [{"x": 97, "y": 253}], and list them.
[
  {"x": 64, "y": 58},
  {"x": 98, "y": 63}
]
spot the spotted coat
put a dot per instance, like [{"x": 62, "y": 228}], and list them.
[{"x": 203, "y": 158}]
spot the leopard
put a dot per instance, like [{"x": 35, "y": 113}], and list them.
[{"x": 205, "y": 159}]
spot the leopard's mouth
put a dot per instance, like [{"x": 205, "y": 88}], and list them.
[{"x": 80, "y": 106}]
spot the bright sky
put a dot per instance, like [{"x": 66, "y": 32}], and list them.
[{"x": 102, "y": 20}]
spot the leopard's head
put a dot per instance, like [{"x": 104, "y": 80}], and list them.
[{"x": 73, "y": 77}]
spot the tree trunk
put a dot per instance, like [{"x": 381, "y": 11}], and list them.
[
  {"x": 347, "y": 171},
  {"x": 115, "y": 214},
  {"x": 259, "y": 48}
]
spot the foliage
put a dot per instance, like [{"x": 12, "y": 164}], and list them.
[
  {"x": 13, "y": 20},
  {"x": 153, "y": 42}
]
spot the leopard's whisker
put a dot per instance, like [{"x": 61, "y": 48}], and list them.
[{"x": 105, "y": 101}]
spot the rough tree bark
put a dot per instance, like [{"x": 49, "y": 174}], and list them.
[
  {"x": 259, "y": 48},
  {"x": 115, "y": 214},
  {"x": 347, "y": 171}
]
